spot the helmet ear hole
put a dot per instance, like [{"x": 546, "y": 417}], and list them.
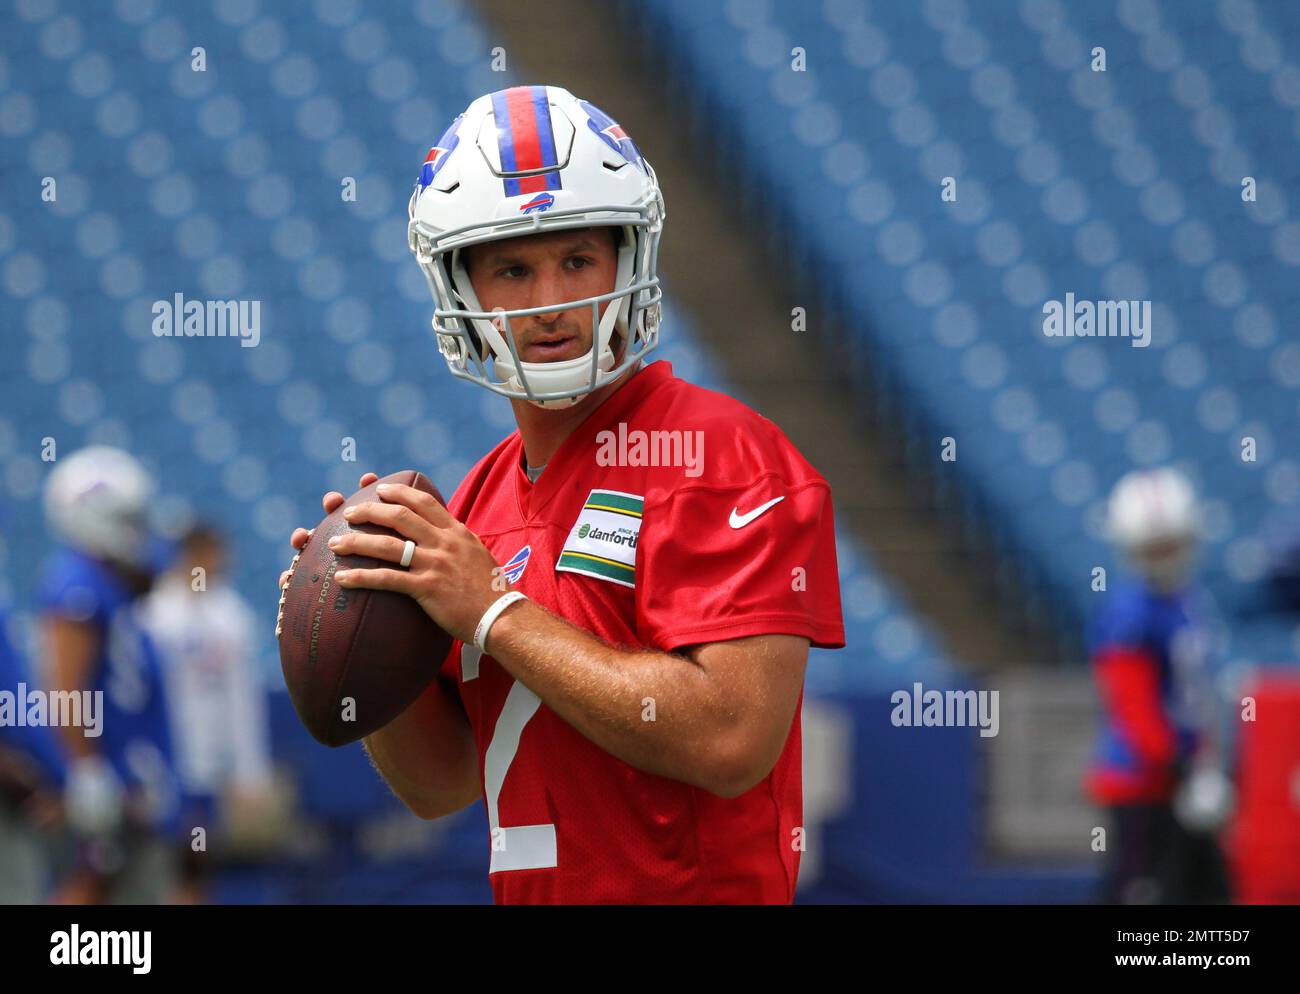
[
  {"x": 456, "y": 269},
  {"x": 476, "y": 343}
]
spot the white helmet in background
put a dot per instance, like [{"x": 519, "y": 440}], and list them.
[
  {"x": 1154, "y": 517},
  {"x": 97, "y": 501},
  {"x": 526, "y": 160}
]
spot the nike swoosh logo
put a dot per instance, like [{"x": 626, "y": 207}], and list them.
[{"x": 741, "y": 520}]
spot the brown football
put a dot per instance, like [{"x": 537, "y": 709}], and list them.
[{"x": 353, "y": 659}]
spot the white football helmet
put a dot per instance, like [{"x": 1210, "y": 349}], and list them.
[
  {"x": 1154, "y": 517},
  {"x": 97, "y": 500},
  {"x": 525, "y": 160}
]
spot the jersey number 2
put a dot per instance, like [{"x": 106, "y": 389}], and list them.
[{"x": 518, "y": 847}]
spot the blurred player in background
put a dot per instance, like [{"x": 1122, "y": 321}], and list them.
[
  {"x": 31, "y": 779},
  {"x": 204, "y": 632},
  {"x": 1155, "y": 765},
  {"x": 121, "y": 793}
]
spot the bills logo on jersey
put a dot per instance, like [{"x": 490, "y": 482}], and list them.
[
  {"x": 612, "y": 134},
  {"x": 439, "y": 154},
  {"x": 541, "y": 202},
  {"x": 514, "y": 569}
]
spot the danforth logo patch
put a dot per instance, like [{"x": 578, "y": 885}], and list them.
[{"x": 602, "y": 542}]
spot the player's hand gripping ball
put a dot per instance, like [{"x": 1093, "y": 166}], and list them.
[{"x": 354, "y": 658}]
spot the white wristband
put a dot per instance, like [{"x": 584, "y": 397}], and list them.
[{"x": 491, "y": 615}]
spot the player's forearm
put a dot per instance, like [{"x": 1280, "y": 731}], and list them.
[
  {"x": 427, "y": 756},
  {"x": 71, "y": 647},
  {"x": 75, "y": 744},
  {"x": 72, "y": 738},
  {"x": 656, "y": 711}
]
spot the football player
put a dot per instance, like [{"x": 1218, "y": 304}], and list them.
[
  {"x": 204, "y": 634},
  {"x": 1154, "y": 769},
  {"x": 121, "y": 794},
  {"x": 633, "y": 578}
]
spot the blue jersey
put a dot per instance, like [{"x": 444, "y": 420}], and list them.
[
  {"x": 1159, "y": 633},
  {"x": 36, "y": 742},
  {"x": 135, "y": 737}
]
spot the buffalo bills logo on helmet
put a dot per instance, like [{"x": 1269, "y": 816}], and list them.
[
  {"x": 612, "y": 134},
  {"x": 539, "y": 203},
  {"x": 439, "y": 154},
  {"x": 514, "y": 569}
]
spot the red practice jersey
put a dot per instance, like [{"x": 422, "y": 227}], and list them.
[{"x": 736, "y": 538}]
